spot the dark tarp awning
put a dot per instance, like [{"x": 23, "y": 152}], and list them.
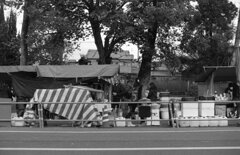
[
  {"x": 221, "y": 73},
  {"x": 26, "y": 79},
  {"x": 25, "y": 86}
]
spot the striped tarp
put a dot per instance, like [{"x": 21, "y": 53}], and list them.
[{"x": 81, "y": 110}]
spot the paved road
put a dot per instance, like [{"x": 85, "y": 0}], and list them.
[{"x": 140, "y": 141}]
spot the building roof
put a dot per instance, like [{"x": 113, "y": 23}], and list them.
[
  {"x": 122, "y": 55},
  {"x": 92, "y": 54}
]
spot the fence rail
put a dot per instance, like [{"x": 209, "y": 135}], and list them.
[{"x": 173, "y": 119}]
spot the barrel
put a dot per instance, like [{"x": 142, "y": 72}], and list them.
[
  {"x": 164, "y": 113},
  {"x": 164, "y": 98},
  {"x": 155, "y": 114}
]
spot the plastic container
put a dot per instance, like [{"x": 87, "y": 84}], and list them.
[
  {"x": 193, "y": 122},
  {"x": 223, "y": 121},
  {"x": 164, "y": 98},
  {"x": 183, "y": 122},
  {"x": 120, "y": 122},
  {"x": 213, "y": 121},
  {"x": 203, "y": 122},
  {"x": 164, "y": 113},
  {"x": 18, "y": 121},
  {"x": 155, "y": 114}
]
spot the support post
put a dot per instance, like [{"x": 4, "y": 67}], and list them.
[{"x": 40, "y": 113}]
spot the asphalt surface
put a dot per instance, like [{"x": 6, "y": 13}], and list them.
[{"x": 109, "y": 141}]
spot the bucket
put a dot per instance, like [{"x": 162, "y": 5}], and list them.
[
  {"x": 155, "y": 114},
  {"x": 164, "y": 98},
  {"x": 164, "y": 113}
]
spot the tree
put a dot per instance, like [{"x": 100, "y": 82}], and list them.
[
  {"x": 105, "y": 20},
  {"x": 207, "y": 35},
  {"x": 9, "y": 40},
  {"x": 48, "y": 33},
  {"x": 24, "y": 32},
  {"x": 153, "y": 19},
  {"x": 236, "y": 54}
]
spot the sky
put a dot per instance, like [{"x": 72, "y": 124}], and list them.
[{"x": 89, "y": 43}]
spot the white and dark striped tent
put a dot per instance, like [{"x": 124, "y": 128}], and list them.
[{"x": 65, "y": 97}]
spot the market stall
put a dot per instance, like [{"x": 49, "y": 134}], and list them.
[
  {"x": 27, "y": 80},
  {"x": 59, "y": 101},
  {"x": 204, "y": 109}
]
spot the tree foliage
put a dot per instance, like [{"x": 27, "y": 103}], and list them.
[
  {"x": 206, "y": 37},
  {"x": 9, "y": 40},
  {"x": 105, "y": 20},
  {"x": 153, "y": 21},
  {"x": 52, "y": 34}
]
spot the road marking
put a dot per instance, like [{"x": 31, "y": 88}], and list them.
[
  {"x": 122, "y": 149},
  {"x": 115, "y": 132}
]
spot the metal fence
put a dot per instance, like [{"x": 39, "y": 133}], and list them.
[{"x": 174, "y": 119}]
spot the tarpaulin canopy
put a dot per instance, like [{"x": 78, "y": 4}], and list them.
[
  {"x": 11, "y": 69},
  {"x": 73, "y": 71},
  {"x": 82, "y": 97},
  {"x": 26, "y": 79},
  {"x": 25, "y": 86},
  {"x": 65, "y": 71},
  {"x": 221, "y": 73}
]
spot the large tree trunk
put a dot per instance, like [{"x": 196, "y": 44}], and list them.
[
  {"x": 24, "y": 34},
  {"x": 98, "y": 41},
  {"x": 144, "y": 74}
]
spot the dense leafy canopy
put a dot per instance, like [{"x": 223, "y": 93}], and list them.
[
  {"x": 207, "y": 35},
  {"x": 9, "y": 40},
  {"x": 183, "y": 36}
]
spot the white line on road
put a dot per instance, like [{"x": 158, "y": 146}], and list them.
[
  {"x": 107, "y": 132},
  {"x": 122, "y": 149}
]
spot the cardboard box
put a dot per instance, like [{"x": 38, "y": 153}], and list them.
[{"x": 220, "y": 110}]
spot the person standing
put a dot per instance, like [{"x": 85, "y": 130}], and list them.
[
  {"x": 118, "y": 93},
  {"x": 152, "y": 95}
]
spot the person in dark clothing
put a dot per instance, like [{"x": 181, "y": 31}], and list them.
[
  {"x": 21, "y": 107},
  {"x": 233, "y": 90},
  {"x": 118, "y": 93},
  {"x": 152, "y": 95}
]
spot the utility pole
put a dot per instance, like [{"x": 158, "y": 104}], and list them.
[{"x": 236, "y": 50}]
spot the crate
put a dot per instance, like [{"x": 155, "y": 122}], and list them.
[{"x": 220, "y": 110}]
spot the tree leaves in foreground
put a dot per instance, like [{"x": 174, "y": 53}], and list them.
[
  {"x": 153, "y": 20},
  {"x": 9, "y": 41},
  {"x": 207, "y": 35},
  {"x": 52, "y": 33}
]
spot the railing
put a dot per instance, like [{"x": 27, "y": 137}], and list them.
[{"x": 173, "y": 119}]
